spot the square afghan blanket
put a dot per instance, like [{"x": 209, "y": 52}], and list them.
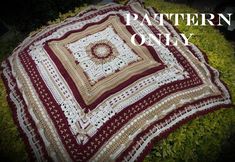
[{"x": 81, "y": 91}]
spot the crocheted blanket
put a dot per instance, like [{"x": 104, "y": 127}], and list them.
[{"x": 82, "y": 91}]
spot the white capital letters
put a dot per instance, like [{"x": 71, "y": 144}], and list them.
[{"x": 128, "y": 18}]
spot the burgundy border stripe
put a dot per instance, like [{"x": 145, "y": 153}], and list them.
[
  {"x": 16, "y": 121},
  {"x": 53, "y": 109}
]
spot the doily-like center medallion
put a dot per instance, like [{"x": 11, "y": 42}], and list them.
[{"x": 101, "y": 50}]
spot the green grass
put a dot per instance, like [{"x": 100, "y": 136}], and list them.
[{"x": 198, "y": 140}]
